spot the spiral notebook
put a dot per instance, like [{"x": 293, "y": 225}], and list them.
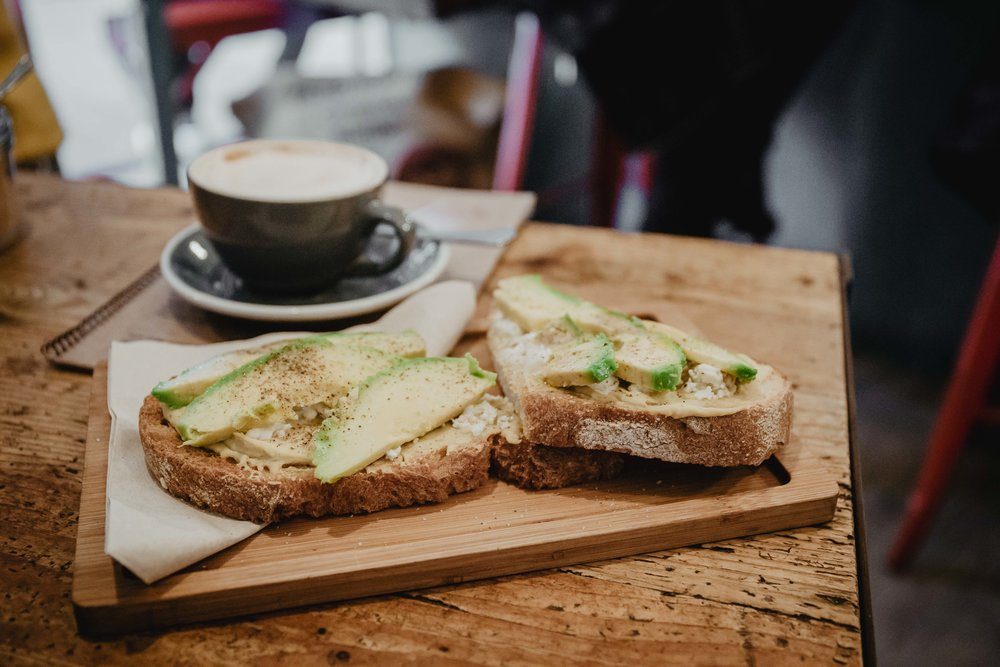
[{"x": 147, "y": 309}]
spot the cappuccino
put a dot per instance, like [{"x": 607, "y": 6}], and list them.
[
  {"x": 295, "y": 216},
  {"x": 288, "y": 171}
]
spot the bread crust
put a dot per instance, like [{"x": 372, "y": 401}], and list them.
[
  {"x": 540, "y": 467},
  {"x": 561, "y": 419},
  {"x": 217, "y": 484}
]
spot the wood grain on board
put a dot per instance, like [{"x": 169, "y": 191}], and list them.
[{"x": 786, "y": 597}]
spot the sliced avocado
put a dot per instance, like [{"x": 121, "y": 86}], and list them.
[
  {"x": 589, "y": 360},
  {"x": 565, "y": 331},
  {"x": 531, "y": 303},
  {"x": 406, "y": 343},
  {"x": 393, "y": 407},
  {"x": 183, "y": 388},
  {"x": 704, "y": 352},
  {"x": 534, "y": 305},
  {"x": 595, "y": 319},
  {"x": 269, "y": 388},
  {"x": 652, "y": 361}
]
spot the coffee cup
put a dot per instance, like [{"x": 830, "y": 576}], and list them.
[{"x": 295, "y": 216}]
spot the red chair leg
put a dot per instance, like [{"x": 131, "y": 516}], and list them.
[{"x": 964, "y": 399}]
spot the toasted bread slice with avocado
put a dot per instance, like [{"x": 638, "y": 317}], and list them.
[
  {"x": 234, "y": 484},
  {"x": 674, "y": 397},
  {"x": 324, "y": 425}
]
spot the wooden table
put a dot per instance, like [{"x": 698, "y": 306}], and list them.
[{"x": 787, "y": 597}]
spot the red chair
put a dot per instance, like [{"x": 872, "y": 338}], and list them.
[
  {"x": 519, "y": 103},
  {"x": 516, "y": 124},
  {"x": 608, "y": 169},
  {"x": 964, "y": 404},
  {"x": 608, "y": 172}
]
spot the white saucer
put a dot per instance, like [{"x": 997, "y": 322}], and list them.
[{"x": 194, "y": 271}]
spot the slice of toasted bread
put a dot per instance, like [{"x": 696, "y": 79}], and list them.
[
  {"x": 541, "y": 467},
  {"x": 427, "y": 471},
  {"x": 531, "y": 466},
  {"x": 723, "y": 434}
]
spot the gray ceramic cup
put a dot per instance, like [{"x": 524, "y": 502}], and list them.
[{"x": 295, "y": 216}]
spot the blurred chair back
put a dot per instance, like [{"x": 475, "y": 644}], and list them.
[{"x": 519, "y": 105}]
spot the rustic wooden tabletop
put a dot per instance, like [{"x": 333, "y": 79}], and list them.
[{"x": 796, "y": 596}]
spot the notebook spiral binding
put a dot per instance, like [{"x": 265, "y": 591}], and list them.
[{"x": 58, "y": 346}]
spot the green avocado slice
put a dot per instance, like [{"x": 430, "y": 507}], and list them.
[
  {"x": 597, "y": 319},
  {"x": 702, "y": 351},
  {"x": 531, "y": 303},
  {"x": 591, "y": 359},
  {"x": 183, "y": 388},
  {"x": 652, "y": 361},
  {"x": 268, "y": 389},
  {"x": 394, "y": 407}
]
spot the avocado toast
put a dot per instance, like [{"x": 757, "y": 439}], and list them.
[
  {"x": 584, "y": 376},
  {"x": 322, "y": 425}
]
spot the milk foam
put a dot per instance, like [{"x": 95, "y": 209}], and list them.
[{"x": 288, "y": 171}]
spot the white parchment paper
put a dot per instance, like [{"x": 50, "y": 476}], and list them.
[{"x": 154, "y": 534}]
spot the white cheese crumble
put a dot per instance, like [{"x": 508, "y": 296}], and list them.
[
  {"x": 476, "y": 418},
  {"x": 525, "y": 350},
  {"x": 308, "y": 413},
  {"x": 394, "y": 452},
  {"x": 507, "y": 326},
  {"x": 268, "y": 432},
  {"x": 706, "y": 382},
  {"x": 304, "y": 414},
  {"x": 605, "y": 387},
  {"x": 493, "y": 412}
]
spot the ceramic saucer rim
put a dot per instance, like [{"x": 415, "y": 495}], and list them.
[{"x": 298, "y": 313}]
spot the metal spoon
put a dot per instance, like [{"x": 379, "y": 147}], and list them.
[
  {"x": 22, "y": 67},
  {"x": 494, "y": 237},
  {"x": 437, "y": 223}
]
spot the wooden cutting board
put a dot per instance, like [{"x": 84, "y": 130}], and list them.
[{"x": 495, "y": 530}]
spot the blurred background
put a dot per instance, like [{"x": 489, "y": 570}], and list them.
[{"x": 869, "y": 128}]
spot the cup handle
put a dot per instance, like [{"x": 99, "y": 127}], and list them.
[{"x": 406, "y": 233}]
